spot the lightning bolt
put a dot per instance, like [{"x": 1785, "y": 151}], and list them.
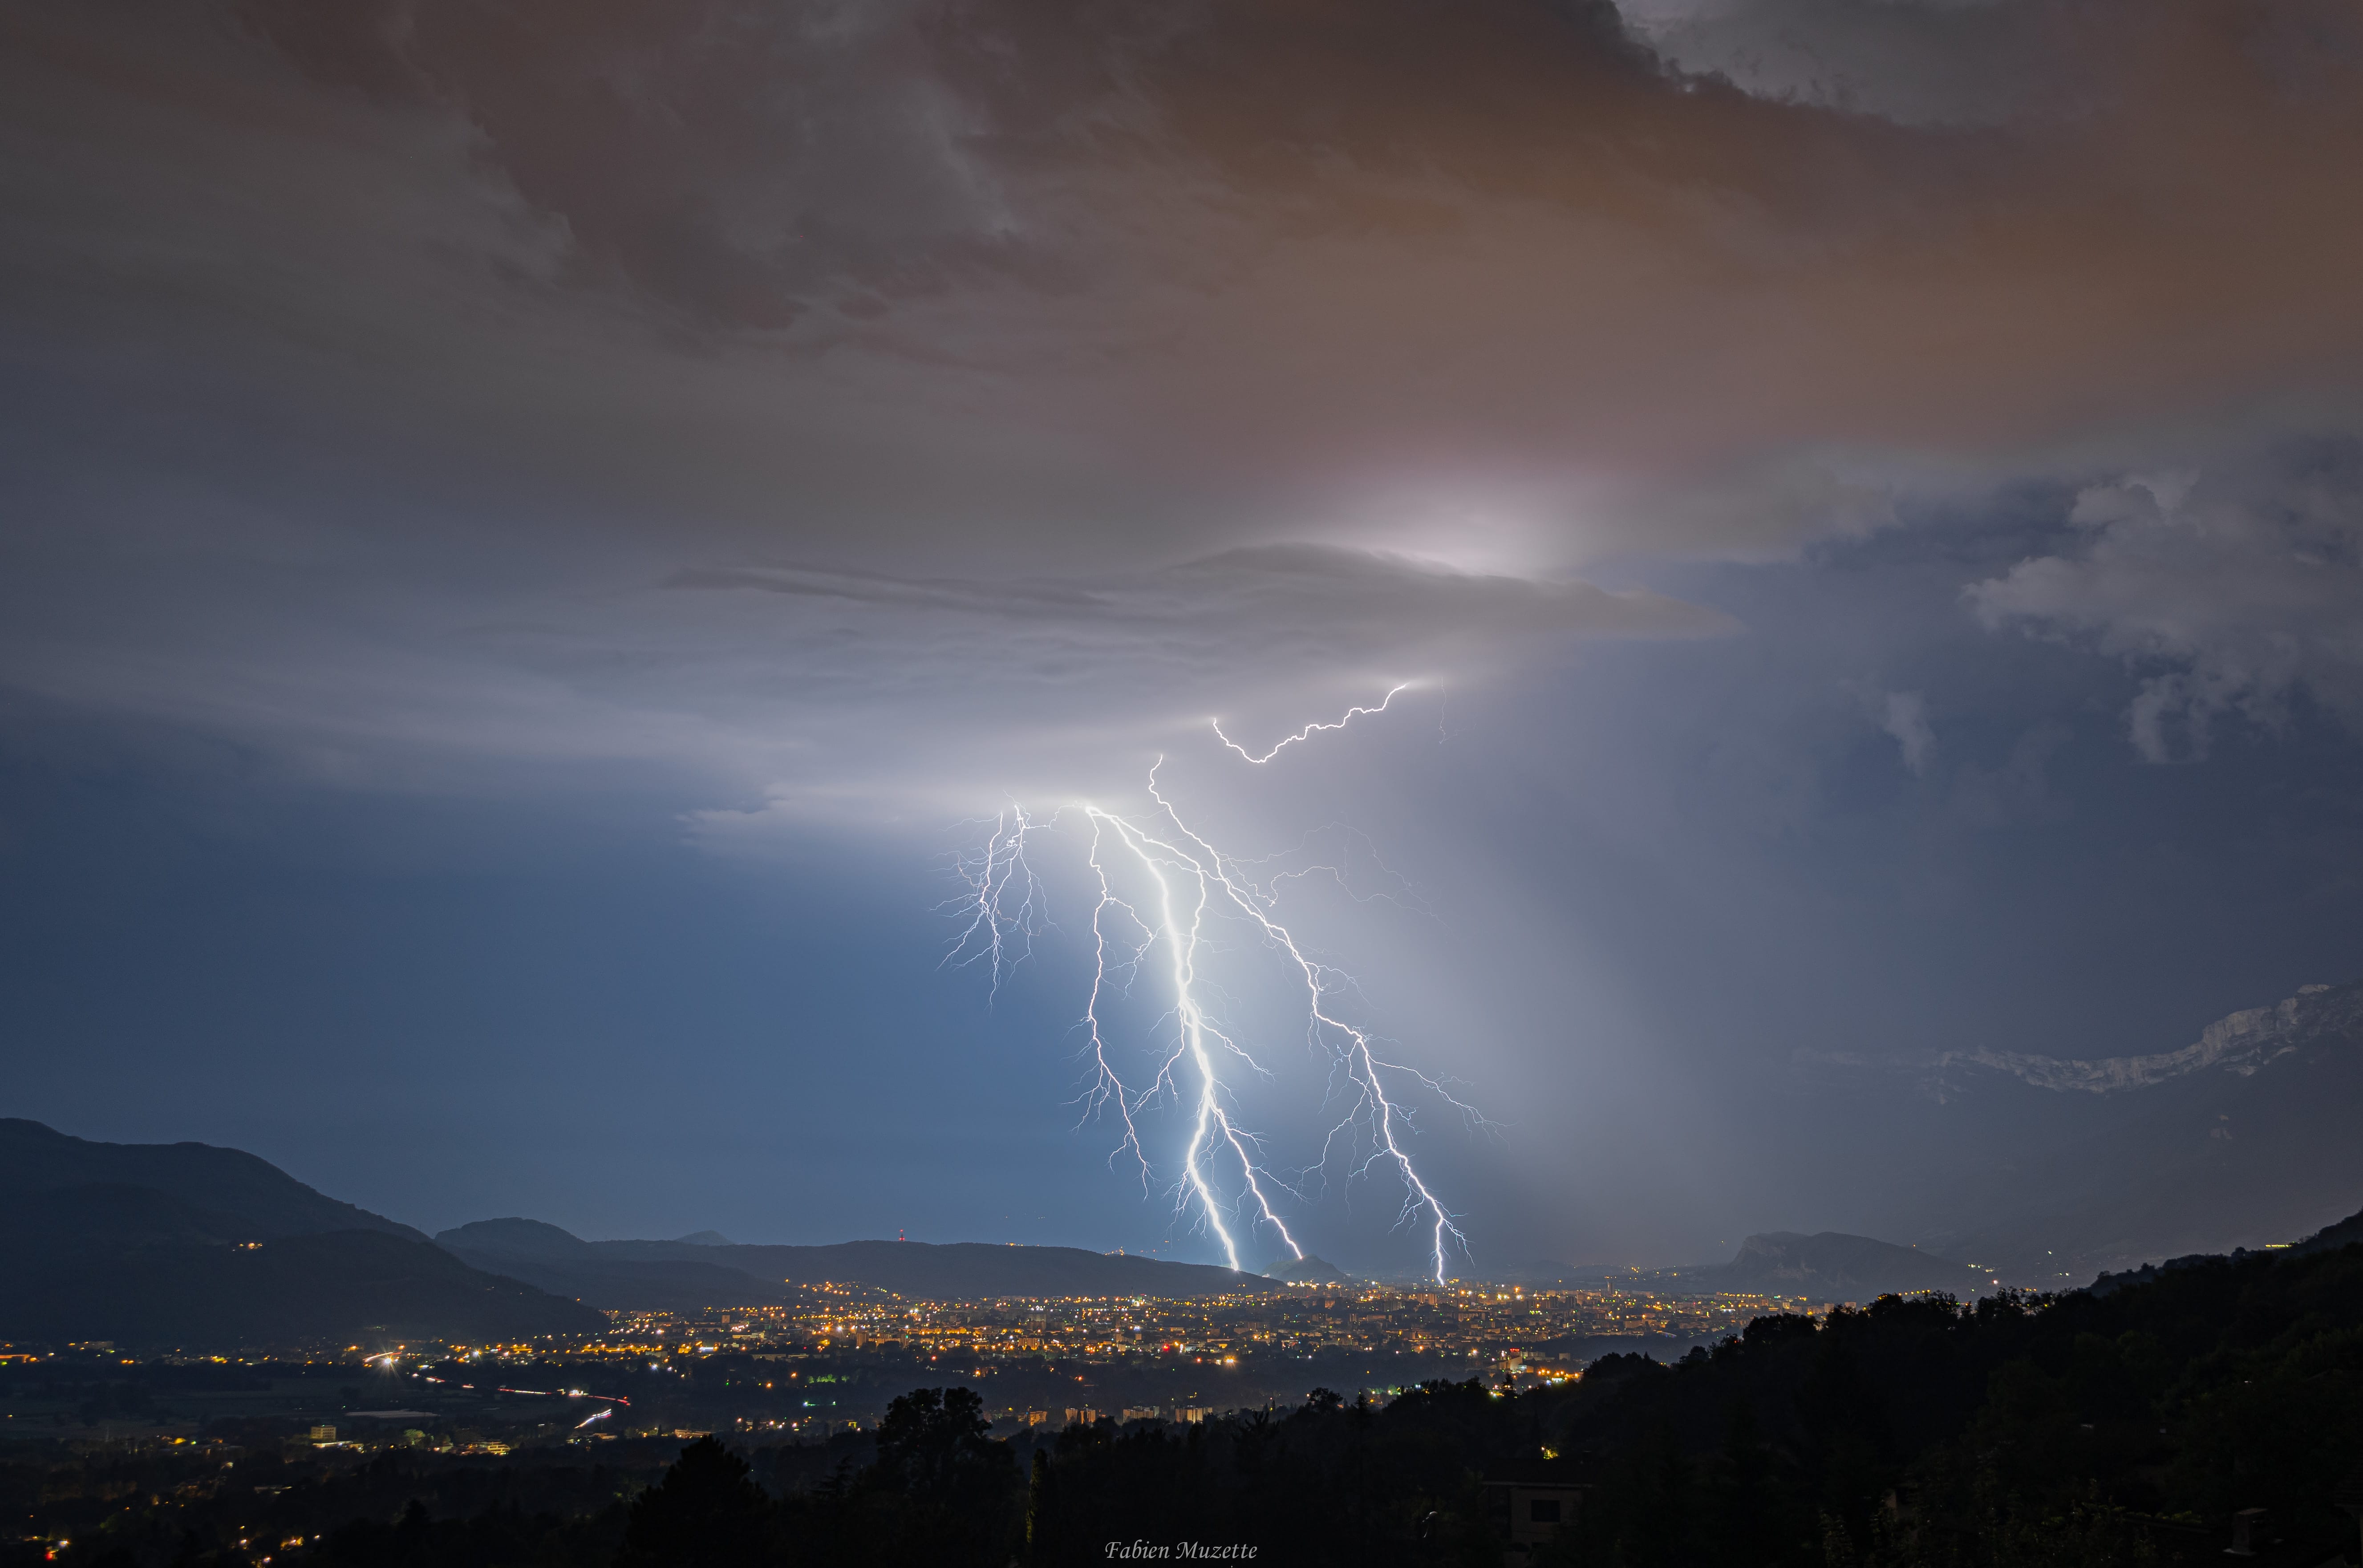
[
  {"x": 1003, "y": 902},
  {"x": 1308, "y": 731},
  {"x": 1179, "y": 883},
  {"x": 1184, "y": 892}
]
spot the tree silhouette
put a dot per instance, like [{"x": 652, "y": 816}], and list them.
[{"x": 707, "y": 1512}]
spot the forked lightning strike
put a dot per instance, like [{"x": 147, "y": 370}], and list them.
[
  {"x": 995, "y": 875},
  {"x": 1188, "y": 880},
  {"x": 1308, "y": 731}
]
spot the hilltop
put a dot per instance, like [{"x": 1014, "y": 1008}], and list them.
[
  {"x": 267, "y": 1201},
  {"x": 189, "y": 1246}
]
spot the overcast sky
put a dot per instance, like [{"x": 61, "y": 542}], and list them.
[{"x": 531, "y": 537}]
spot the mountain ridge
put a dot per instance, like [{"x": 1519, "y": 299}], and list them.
[
  {"x": 2241, "y": 1042},
  {"x": 236, "y": 1253},
  {"x": 1837, "y": 1265},
  {"x": 621, "y": 1273},
  {"x": 34, "y": 1157}
]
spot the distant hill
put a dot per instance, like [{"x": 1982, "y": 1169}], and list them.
[
  {"x": 1308, "y": 1270},
  {"x": 2346, "y": 1233},
  {"x": 517, "y": 1239},
  {"x": 193, "y": 1268},
  {"x": 639, "y": 1275},
  {"x": 1832, "y": 1266},
  {"x": 267, "y": 1200},
  {"x": 564, "y": 1264}
]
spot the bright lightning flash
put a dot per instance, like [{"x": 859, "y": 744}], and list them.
[
  {"x": 1309, "y": 730},
  {"x": 1181, "y": 882}
]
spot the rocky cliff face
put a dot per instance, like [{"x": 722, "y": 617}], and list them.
[{"x": 2240, "y": 1043}]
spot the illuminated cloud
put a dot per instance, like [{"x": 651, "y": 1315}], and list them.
[
  {"x": 2230, "y": 594},
  {"x": 1904, "y": 716},
  {"x": 794, "y": 683}
]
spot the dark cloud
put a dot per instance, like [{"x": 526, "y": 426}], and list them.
[
  {"x": 868, "y": 278},
  {"x": 1917, "y": 62},
  {"x": 1038, "y": 335},
  {"x": 2231, "y": 590},
  {"x": 739, "y": 164}
]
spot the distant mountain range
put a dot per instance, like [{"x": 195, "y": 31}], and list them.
[
  {"x": 2006, "y": 1166},
  {"x": 564, "y": 1264},
  {"x": 1307, "y": 1270},
  {"x": 1832, "y": 1266},
  {"x": 183, "y": 1245},
  {"x": 267, "y": 1201},
  {"x": 2049, "y": 1170},
  {"x": 1828, "y": 1266},
  {"x": 187, "y": 1245},
  {"x": 675, "y": 1276}
]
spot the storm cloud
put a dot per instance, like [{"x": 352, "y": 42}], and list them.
[
  {"x": 2233, "y": 593},
  {"x": 1809, "y": 458},
  {"x": 1055, "y": 296}
]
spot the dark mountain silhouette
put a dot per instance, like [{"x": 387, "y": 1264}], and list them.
[
  {"x": 517, "y": 1238},
  {"x": 267, "y": 1200},
  {"x": 635, "y": 1274},
  {"x": 1831, "y": 1266},
  {"x": 2329, "y": 1239},
  {"x": 564, "y": 1264},
  {"x": 2346, "y": 1233},
  {"x": 1307, "y": 1270},
  {"x": 191, "y": 1268}
]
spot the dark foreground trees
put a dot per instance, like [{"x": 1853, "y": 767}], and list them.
[{"x": 707, "y": 1509}]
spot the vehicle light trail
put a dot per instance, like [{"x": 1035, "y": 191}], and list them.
[{"x": 1158, "y": 884}]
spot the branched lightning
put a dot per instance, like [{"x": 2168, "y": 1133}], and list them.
[
  {"x": 1369, "y": 1106},
  {"x": 1158, "y": 884},
  {"x": 1183, "y": 891},
  {"x": 1003, "y": 903},
  {"x": 1308, "y": 731}
]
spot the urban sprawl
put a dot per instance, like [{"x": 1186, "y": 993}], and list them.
[{"x": 830, "y": 1363}]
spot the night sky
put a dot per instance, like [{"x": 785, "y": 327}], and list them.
[{"x": 532, "y": 537}]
